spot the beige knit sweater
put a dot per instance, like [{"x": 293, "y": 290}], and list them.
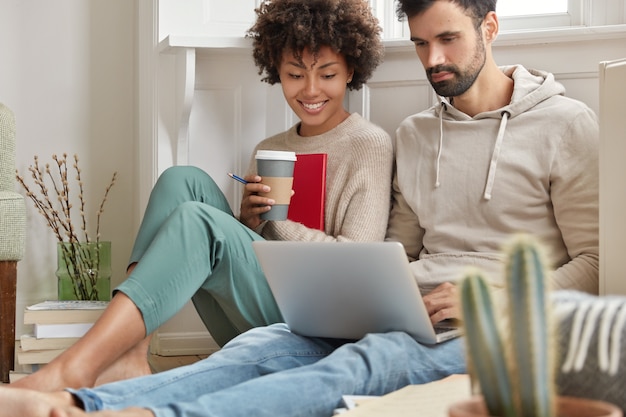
[{"x": 358, "y": 181}]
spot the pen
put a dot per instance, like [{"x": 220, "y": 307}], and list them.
[{"x": 237, "y": 178}]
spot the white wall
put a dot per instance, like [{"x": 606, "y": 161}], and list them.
[{"x": 67, "y": 71}]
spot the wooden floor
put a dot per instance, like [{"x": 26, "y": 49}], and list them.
[{"x": 163, "y": 363}]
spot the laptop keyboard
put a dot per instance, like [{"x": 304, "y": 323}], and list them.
[{"x": 441, "y": 329}]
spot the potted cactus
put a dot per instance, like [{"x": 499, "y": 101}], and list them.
[{"x": 510, "y": 352}]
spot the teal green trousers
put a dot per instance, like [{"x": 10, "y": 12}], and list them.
[{"x": 191, "y": 247}]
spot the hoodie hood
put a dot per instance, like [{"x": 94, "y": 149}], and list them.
[{"x": 531, "y": 87}]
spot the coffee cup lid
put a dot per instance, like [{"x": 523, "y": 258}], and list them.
[{"x": 276, "y": 155}]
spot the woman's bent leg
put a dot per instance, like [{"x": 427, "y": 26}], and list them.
[
  {"x": 176, "y": 185},
  {"x": 79, "y": 366},
  {"x": 201, "y": 248}
]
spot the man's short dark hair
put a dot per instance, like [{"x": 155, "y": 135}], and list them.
[{"x": 476, "y": 9}]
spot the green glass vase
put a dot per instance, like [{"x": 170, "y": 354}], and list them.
[{"x": 84, "y": 270}]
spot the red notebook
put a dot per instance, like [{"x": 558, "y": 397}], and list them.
[{"x": 309, "y": 183}]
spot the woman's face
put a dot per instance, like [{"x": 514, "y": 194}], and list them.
[{"x": 315, "y": 89}]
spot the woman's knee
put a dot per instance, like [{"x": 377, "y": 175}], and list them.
[
  {"x": 187, "y": 183},
  {"x": 176, "y": 176}
]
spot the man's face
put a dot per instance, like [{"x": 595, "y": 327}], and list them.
[{"x": 449, "y": 46}]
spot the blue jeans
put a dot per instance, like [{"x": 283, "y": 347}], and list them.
[
  {"x": 191, "y": 247},
  {"x": 269, "y": 371}
]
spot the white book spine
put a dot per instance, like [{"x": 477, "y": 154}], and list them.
[{"x": 61, "y": 330}]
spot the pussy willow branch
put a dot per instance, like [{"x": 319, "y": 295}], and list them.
[
  {"x": 101, "y": 209},
  {"x": 45, "y": 206},
  {"x": 44, "y": 190},
  {"x": 57, "y": 210},
  {"x": 42, "y": 209},
  {"x": 81, "y": 196},
  {"x": 82, "y": 265},
  {"x": 64, "y": 196}
]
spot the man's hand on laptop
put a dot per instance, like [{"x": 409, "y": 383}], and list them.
[{"x": 442, "y": 303}]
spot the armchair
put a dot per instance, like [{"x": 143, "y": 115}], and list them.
[{"x": 12, "y": 240}]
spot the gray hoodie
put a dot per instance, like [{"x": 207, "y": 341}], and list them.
[{"x": 464, "y": 184}]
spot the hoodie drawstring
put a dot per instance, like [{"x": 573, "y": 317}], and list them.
[
  {"x": 491, "y": 176},
  {"x": 440, "y": 146}
]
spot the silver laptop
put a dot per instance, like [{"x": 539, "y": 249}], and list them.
[{"x": 347, "y": 289}]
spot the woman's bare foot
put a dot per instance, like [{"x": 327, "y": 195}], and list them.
[
  {"x": 28, "y": 403},
  {"x": 133, "y": 364},
  {"x": 119, "y": 332},
  {"x": 53, "y": 377}
]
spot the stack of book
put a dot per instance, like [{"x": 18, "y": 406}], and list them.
[{"x": 56, "y": 326}]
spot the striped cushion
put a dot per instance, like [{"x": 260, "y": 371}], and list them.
[{"x": 592, "y": 346}]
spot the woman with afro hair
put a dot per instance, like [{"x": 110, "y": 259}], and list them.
[{"x": 191, "y": 246}]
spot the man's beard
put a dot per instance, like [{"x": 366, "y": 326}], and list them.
[{"x": 462, "y": 80}]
